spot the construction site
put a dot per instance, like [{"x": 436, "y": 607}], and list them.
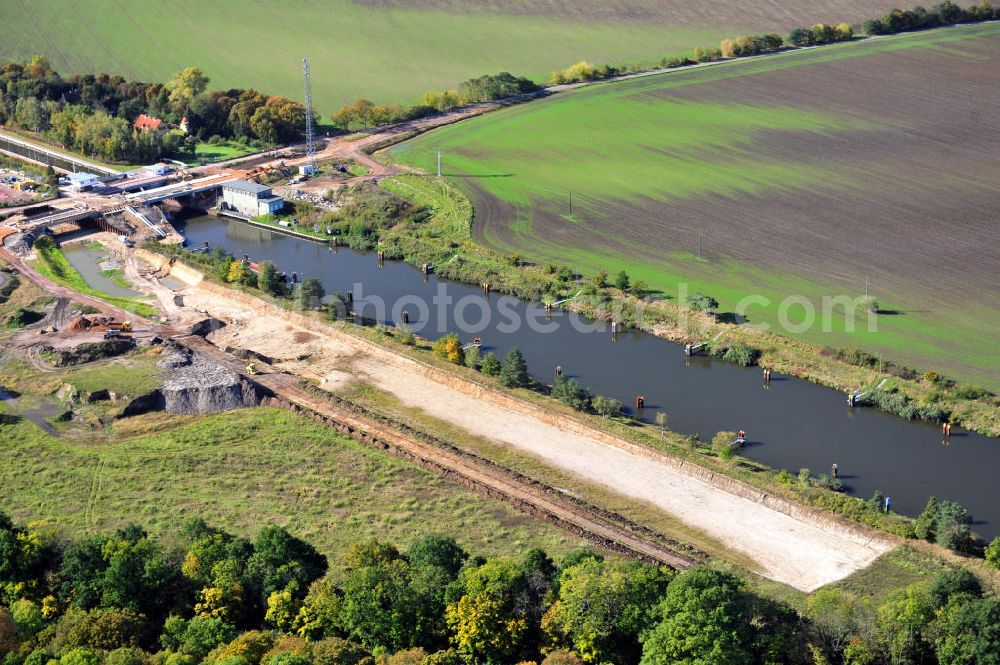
[{"x": 211, "y": 347}]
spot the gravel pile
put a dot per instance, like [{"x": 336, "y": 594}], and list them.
[{"x": 194, "y": 384}]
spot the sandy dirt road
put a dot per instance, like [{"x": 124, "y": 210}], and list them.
[{"x": 804, "y": 553}]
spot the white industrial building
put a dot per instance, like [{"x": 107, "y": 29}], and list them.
[
  {"x": 82, "y": 181},
  {"x": 250, "y": 199}
]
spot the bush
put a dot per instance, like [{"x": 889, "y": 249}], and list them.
[
  {"x": 449, "y": 348},
  {"x": 952, "y": 527},
  {"x": 581, "y": 71},
  {"x": 606, "y": 406},
  {"x": 739, "y": 353},
  {"x": 953, "y": 582},
  {"x": 992, "y": 553},
  {"x": 903, "y": 406},
  {"x": 972, "y": 392},
  {"x": 514, "y": 373},
  {"x": 491, "y": 366},
  {"x": 571, "y": 393},
  {"x": 472, "y": 357},
  {"x": 702, "y": 303},
  {"x": 723, "y": 441}
]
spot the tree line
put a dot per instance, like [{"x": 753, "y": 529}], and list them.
[
  {"x": 219, "y": 599},
  {"x": 364, "y": 113},
  {"x": 95, "y": 114},
  {"x": 918, "y": 18}
]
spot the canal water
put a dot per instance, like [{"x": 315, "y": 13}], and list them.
[
  {"x": 791, "y": 424},
  {"x": 88, "y": 263}
]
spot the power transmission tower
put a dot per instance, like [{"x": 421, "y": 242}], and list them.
[{"x": 310, "y": 131}]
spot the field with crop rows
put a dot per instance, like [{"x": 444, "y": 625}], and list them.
[
  {"x": 385, "y": 51},
  {"x": 803, "y": 173}
]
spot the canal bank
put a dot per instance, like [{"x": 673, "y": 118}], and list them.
[{"x": 792, "y": 424}]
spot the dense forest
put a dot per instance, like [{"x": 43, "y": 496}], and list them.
[{"x": 127, "y": 599}]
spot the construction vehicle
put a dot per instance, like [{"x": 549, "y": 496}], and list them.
[
  {"x": 124, "y": 326},
  {"x": 251, "y": 368},
  {"x": 112, "y": 334}
]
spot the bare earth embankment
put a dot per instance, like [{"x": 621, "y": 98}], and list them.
[{"x": 802, "y": 552}]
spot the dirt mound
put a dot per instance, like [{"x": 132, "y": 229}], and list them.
[
  {"x": 80, "y": 323},
  {"x": 90, "y": 351}
]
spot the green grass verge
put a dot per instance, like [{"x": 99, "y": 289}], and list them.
[{"x": 53, "y": 264}]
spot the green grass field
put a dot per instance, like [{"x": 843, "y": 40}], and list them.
[
  {"x": 241, "y": 470},
  {"x": 794, "y": 172},
  {"x": 385, "y": 51},
  {"x": 221, "y": 152}
]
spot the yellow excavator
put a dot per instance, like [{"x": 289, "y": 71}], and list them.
[{"x": 251, "y": 368}]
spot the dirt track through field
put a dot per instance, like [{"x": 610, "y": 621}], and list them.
[{"x": 802, "y": 552}]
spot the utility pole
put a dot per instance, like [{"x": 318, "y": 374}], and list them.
[
  {"x": 866, "y": 287},
  {"x": 571, "y": 203},
  {"x": 439, "y": 163},
  {"x": 699, "y": 245},
  {"x": 310, "y": 130}
]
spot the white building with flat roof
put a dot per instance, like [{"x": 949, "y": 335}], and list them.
[
  {"x": 250, "y": 199},
  {"x": 82, "y": 181}
]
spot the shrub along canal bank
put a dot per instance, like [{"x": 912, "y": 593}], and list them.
[{"x": 792, "y": 424}]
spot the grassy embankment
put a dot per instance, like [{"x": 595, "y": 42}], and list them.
[
  {"x": 737, "y": 141},
  {"x": 53, "y": 264}
]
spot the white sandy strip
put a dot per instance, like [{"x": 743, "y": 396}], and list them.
[{"x": 805, "y": 556}]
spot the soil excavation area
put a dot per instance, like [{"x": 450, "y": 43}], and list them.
[
  {"x": 802, "y": 173},
  {"x": 803, "y": 553}
]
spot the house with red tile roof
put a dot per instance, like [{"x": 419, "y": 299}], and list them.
[{"x": 147, "y": 123}]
